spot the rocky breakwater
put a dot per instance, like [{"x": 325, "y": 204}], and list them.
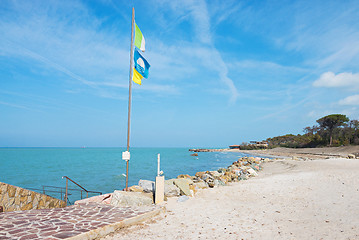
[
  {"x": 186, "y": 185},
  {"x": 183, "y": 186}
]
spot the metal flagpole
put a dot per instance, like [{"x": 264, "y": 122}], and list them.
[{"x": 127, "y": 157}]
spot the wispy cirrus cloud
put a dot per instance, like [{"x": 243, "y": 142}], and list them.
[
  {"x": 221, "y": 11},
  {"x": 14, "y": 105},
  {"x": 201, "y": 21},
  {"x": 325, "y": 34},
  {"x": 72, "y": 42},
  {"x": 203, "y": 48},
  {"x": 267, "y": 68}
]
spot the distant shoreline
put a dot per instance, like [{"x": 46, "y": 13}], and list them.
[{"x": 325, "y": 152}]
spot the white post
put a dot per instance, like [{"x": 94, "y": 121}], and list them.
[
  {"x": 158, "y": 164},
  {"x": 160, "y": 184}
]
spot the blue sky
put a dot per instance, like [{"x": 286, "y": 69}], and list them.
[{"x": 222, "y": 72}]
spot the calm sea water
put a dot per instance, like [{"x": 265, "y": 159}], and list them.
[{"x": 101, "y": 169}]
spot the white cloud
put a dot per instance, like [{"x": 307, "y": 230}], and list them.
[
  {"x": 329, "y": 79},
  {"x": 351, "y": 100}
]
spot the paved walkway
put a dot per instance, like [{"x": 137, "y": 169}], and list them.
[{"x": 84, "y": 221}]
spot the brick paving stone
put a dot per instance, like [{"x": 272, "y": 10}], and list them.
[
  {"x": 61, "y": 223},
  {"x": 46, "y": 234},
  {"x": 64, "y": 235},
  {"x": 17, "y": 231},
  {"x": 19, "y": 222},
  {"x": 19, "y": 235},
  {"x": 29, "y": 236},
  {"x": 47, "y": 229},
  {"x": 8, "y": 226}
]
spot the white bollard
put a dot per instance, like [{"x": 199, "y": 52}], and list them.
[
  {"x": 160, "y": 184},
  {"x": 160, "y": 189}
]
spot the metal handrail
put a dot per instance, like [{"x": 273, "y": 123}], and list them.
[
  {"x": 72, "y": 189},
  {"x": 66, "y": 192},
  {"x": 53, "y": 191}
]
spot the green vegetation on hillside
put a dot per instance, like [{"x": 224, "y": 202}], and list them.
[{"x": 331, "y": 130}]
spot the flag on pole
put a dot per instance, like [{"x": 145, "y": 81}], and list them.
[
  {"x": 141, "y": 67},
  {"x": 137, "y": 77},
  {"x": 139, "y": 39}
]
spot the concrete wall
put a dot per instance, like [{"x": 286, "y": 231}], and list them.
[{"x": 14, "y": 198}]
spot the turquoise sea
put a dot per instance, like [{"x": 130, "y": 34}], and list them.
[{"x": 101, "y": 169}]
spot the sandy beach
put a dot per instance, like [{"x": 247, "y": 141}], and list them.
[
  {"x": 314, "y": 198},
  {"x": 305, "y": 153}
]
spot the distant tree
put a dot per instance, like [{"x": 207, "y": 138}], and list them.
[
  {"x": 311, "y": 130},
  {"x": 354, "y": 124},
  {"x": 331, "y": 122},
  {"x": 353, "y": 130},
  {"x": 308, "y": 130}
]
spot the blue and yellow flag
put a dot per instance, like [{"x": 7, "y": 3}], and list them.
[{"x": 141, "y": 67}]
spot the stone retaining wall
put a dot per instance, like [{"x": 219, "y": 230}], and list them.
[{"x": 14, "y": 198}]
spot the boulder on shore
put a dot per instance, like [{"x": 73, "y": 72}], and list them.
[
  {"x": 186, "y": 176},
  {"x": 200, "y": 174},
  {"x": 135, "y": 188},
  {"x": 183, "y": 185},
  {"x": 200, "y": 184},
  {"x": 252, "y": 173},
  {"x": 216, "y": 174},
  {"x": 147, "y": 186},
  {"x": 171, "y": 190},
  {"x": 132, "y": 199}
]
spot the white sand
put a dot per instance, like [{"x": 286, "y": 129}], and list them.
[{"x": 316, "y": 199}]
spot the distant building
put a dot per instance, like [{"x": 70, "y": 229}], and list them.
[{"x": 261, "y": 144}]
